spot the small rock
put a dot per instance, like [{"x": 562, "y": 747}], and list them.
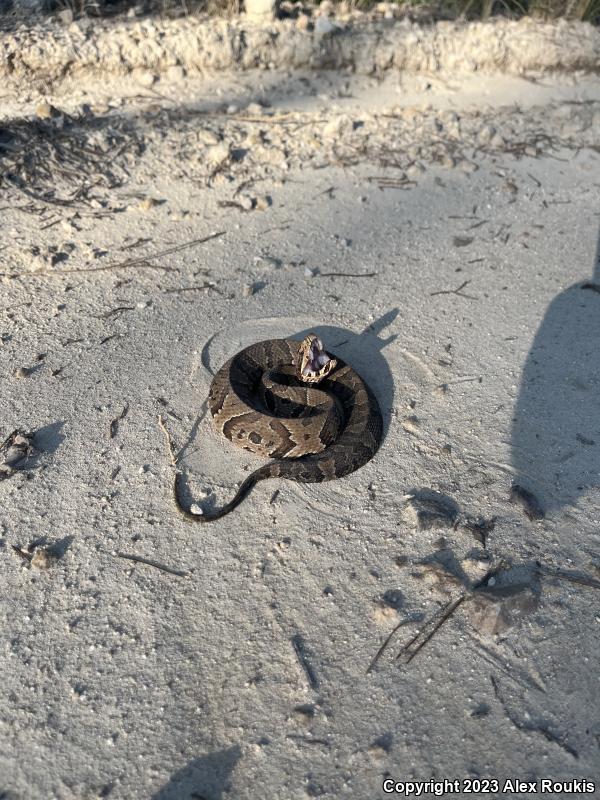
[
  {"x": 467, "y": 166},
  {"x": 218, "y": 154},
  {"x": 485, "y": 134},
  {"x": 415, "y": 171},
  {"x": 411, "y": 424},
  {"x": 255, "y": 109},
  {"x": 22, "y": 372},
  {"x": 462, "y": 241},
  {"x": 246, "y": 202},
  {"x": 248, "y": 290},
  {"x": 260, "y": 10},
  {"x": 146, "y": 79},
  {"x": 531, "y": 151},
  {"x": 43, "y": 558},
  {"x": 196, "y": 510},
  {"x": 262, "y": 202},
  {"x": 497, "y": 142},
  {"x": 148, "y": 203},
  {"x": 65, "y": 16},
  {"x": 303, "y": 22},
  {"x": 46, "y": 111},
  {"x": 309, "y": 273}
]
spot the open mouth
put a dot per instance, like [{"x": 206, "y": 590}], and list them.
[{"x": 315, "y": 363}]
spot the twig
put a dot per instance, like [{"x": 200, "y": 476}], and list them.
[
  {"x": 174, "y": 458},
  {"x": 200, "y": 287},
  {"x": 149, "y": 562},
  {"x": 22, "y": 553},
  {"x": 114, "y": 425},
  {"x": 300, "y": 650},
  {"x": 138, "y": 262},
  {"x": 583, "y": 580},
  {"x": 457, "y": 291},
  {"x": 347, "y": 274},
  {"x": 381, "y": 650},
  {"x": 443, "y": 616}
]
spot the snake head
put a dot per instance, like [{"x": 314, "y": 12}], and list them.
[{"x": 313, "y": 362}]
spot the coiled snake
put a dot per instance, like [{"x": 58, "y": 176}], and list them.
[{"x": 290, "y": 401}]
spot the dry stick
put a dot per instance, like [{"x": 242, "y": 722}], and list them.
[
  {"x": 162, "y": 567},
  {"x": 174, "y": 458},
  {"x": 381, "y": 650},
  {"x": 347, "y": 274},
  {"x": 139, "y": 262},
  {"x": 445, "y": 614},
  {"x": 457, "y": 291},
  {"x": 583, "y": 580},
  {"x": 200, "y": 287}
]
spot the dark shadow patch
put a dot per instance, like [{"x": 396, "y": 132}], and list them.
[
  {"x": 557, "y": 414},
  {"x": 204, "y": 778}
]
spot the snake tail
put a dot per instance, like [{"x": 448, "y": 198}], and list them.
[{"x": 208, "y": 516}]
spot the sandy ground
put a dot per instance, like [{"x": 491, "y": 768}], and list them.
[{"x": 241, "y": 670}]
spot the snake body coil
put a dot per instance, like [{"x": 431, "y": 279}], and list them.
[{"x": 288, "y": 400}]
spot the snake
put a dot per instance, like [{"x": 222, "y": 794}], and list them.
[{"x": 292, "y": 402}]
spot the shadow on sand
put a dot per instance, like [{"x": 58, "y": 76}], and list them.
[
  {"x": 555, "y": 441},
  {"x": 204, "y": 778}
]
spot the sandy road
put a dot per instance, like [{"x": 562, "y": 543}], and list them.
[{"x": 240, "y": 670}]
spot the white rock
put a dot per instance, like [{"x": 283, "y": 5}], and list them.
[
  {"x": 261, "y": 10},
  {"x": 338, "y": 126},
  {"x": 146, "y": 78},
  {"x": 217, "y": 154}
]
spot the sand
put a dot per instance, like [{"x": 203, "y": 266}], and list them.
[{"x": 234, "y": 665}]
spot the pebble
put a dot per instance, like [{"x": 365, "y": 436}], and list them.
[
  {"x": 246, "y": 202},
  {"x": 262, "y": 202},
  {"x": 46, "y": 111},
  {"x": 217, "y": 154},
  {"x": 196, "y": 510},
  {"x": 309, "y": 273},
  {"x": 255, "y": 109},
  {"x": 65, "y": 16},
  {"x": 338, "y": 126},
  {"x": 467, "y": 166},
  {"x": 415, "y": 170},
  {"x": 148, "y": 203},
  {"x": 248, "y": 290},
  {"x": 22, "y": 372},
  {"x": 146, "y": 79},
  {"x": 43, "y": 558}
]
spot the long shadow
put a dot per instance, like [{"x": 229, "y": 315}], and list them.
[
  {"x": 204, "y": 778},
  {"x": 555, "y": 441}
]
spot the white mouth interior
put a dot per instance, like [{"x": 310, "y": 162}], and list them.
[{"x": 317, "y": 360}]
